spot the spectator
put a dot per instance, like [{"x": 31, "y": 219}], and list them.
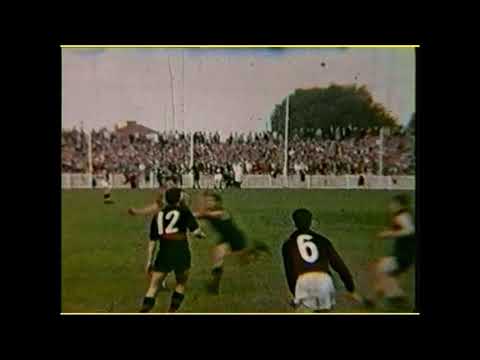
[
  {"x": 196, "y": 177},
  {"x": 356, "y": 154}
]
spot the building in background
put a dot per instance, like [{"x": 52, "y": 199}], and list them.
[{"x": 131, "y": 128}]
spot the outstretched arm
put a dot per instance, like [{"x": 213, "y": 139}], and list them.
[
  {"x": 147, "y": 210},
  {"x": 193, "y": 226},
  {"x": 402, "y": 226},
  {"x": 216, "y": 214},
  {"x": 288, "y": 269}
]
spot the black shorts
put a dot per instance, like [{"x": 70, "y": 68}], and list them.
[
  {"x": 236, "y": 241},
  {"x": 404, "y": 253},
  {"x": 173, "y": 255}
]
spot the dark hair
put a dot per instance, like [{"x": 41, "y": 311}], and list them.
[
  {"x": 403, "y": 200},
  {"x": 173, "y": 195},
  {"x": 302, "y": 219}
]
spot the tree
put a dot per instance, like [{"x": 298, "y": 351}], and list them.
[{"x": 330, "y": 108}]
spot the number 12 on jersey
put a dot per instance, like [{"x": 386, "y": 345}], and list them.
[
  {"x": 308, "y": 250},
  {"x": 170, "y": 229}
]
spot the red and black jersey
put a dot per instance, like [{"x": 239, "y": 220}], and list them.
[
  {"x": 172, "y": 223},
  {"x": 307, "y": 251}
]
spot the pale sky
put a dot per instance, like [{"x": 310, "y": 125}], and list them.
[{"x": 224, "y": 90}]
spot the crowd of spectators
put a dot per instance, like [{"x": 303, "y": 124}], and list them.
[{"x": 258, "y": 153}]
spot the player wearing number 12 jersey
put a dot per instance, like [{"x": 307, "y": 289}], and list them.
[
  {"x": 307, "y": 259},
  {"x": 169, "y": 228}
]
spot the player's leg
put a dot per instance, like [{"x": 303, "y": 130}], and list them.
[
  {"x": 238, "y": 245},
  {"x": 149, "y": 299},
  {"x": 259, "y": 247},
  {"x": 180, "y": 258},
  {"x": 218, "y": 256},
  {"x": 179, "y": 293},
  {"x": 385, "y": 283},
  {"x": 107, "y": 193}
]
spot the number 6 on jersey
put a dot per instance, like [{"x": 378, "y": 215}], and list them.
[{"x": 308, "y": 250}]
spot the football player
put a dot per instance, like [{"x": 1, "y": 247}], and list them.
[
  {"x": 232, "y": 241},
  {"x": 156, "y": 206},
  {"x": 107, "y": 188},
  {"x": 307, "y": 257},
  {"x": 168, "y": 229},
  {"x": 218, "y": 179},
  {"x": 387, "y": 269}
]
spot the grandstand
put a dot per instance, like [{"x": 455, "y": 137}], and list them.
[{"x": 327, "y": 162}]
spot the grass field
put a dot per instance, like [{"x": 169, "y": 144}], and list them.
[{"x": 104, "y": 250}]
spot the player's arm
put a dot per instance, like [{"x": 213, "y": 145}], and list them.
[
  {"x": 288, "y": 268},
  {"x": 193, "y": 227},
  {"x": 402, "y": 226},
  {"x": 216, "y": 214},
  {"x": 339, "y": 266},
  {"x": 185, "y": 199},
  {"x": 147, "y": 210}
]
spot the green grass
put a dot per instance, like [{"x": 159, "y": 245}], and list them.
[{"x": 104, "y": 249}]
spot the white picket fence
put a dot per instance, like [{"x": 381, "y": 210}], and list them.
[{"x": 84, "y": 181}]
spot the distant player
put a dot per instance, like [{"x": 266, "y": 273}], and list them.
[
  {"x": 218, "y": 179},
  {"x": 196, "y": 177},
  {"x": 238, "y": 174},
  {"x": 387, "y": 269},
  {"x": 107, "y": 188},
  {"x": 307, "y": 257},
  {"x": 168, "y": 229},
  {"x": 232, "y": 241},
  {"x": 132, "y": 179}
]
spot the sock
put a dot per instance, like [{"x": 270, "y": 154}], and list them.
[
  {"x": 148, "y": 304},
  {"x": 217, "y": 271},
  {"x": 177, "y": 299}
]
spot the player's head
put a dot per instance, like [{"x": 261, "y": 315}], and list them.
[
  {"x": 212, "y": 200},
  {"x": 399, "y": 203},
  {"x": 173, "y": 196},
  {"x": 302, "y": 219}
]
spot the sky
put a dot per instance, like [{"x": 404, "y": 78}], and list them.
[{"x": 225, "y": 90}]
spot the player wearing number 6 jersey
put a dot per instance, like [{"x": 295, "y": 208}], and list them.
[
  {"x": 307, "y": 259},
  {"x": 169, "y": 228}
]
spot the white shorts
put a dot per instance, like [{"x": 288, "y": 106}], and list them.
[
  {"x": 387, "y": 264},
  {"x": 315, "y": 291},
  {"x": 106, "y": 185}
]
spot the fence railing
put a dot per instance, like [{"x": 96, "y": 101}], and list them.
[{"x": 85, "y": 181}]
